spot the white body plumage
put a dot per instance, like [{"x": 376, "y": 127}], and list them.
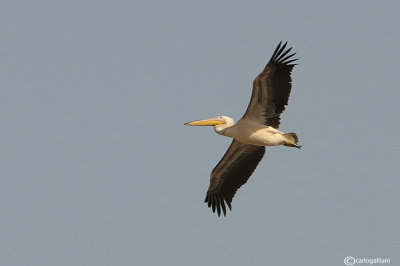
[{"x": 250, "y": 132}]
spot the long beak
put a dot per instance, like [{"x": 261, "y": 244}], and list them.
[{"x": 206, "y": 122}]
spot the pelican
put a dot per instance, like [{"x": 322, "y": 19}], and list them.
[{"x": 257, "y": 129}]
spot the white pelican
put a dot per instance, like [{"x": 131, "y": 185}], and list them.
[{"x": 257, "y": 128}]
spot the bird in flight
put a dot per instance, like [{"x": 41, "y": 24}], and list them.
[{"x": 256, "y": 129}]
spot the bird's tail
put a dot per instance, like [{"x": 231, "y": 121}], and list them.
[{"x": 291, "y": 140}]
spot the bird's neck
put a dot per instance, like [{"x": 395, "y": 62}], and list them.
[{"x": 223, "y": 128}]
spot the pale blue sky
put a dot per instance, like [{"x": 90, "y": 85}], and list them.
[{"x": 97, "y": 168}]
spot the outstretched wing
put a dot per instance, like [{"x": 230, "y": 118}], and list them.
[
  {"x": 233, "y": 171},
  {"x": 271, "y": 89}
]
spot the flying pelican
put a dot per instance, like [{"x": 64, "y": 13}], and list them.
[{"x": 257, "y": 128}]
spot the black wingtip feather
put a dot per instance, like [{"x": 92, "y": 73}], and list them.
[
  {"x": 223, "y": 208},
  {"x": 217, "y": 203},
  {"x": 229, "y": 205},
  {"x": 221, "y": 196},
  {"x": 213, "y": 203},
  {"x": 279, "y": 55},
  {"x": 208, "y": 200},
  {"x": 283, "y": 60},
  {"x": 290, "y": 61},
  {"x": 282, "y": 48},
  {"x": 275, "y": 52}
]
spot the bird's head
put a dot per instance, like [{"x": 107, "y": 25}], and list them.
[{"x": 220, "y": 123}]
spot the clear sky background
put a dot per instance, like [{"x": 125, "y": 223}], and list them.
[{"x": 96, "y": 167}]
